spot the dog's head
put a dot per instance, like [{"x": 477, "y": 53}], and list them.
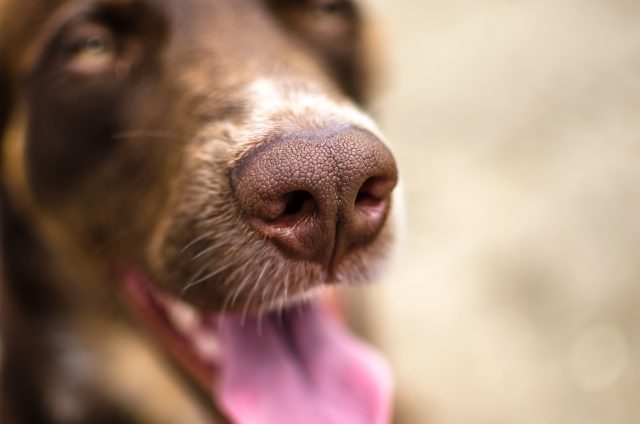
[{"x": 209, "y": 156}]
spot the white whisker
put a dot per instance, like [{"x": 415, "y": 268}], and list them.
[
  {"x": 206, "y": 277},
  {"x": 197, "y": 239},
  {"x": 209, "y": 249}
]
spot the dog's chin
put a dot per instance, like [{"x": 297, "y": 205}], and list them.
[{"x": 295, "y": 363}]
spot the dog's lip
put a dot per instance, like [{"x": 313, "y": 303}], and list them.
[
  {"x": 176, "y": 326},
  {"x": 253, "y": 369}
]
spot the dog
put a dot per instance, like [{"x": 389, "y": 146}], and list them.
[{"x": 182, "y": 184}]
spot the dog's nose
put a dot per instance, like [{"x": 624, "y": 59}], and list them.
[{"x": 318, "y": 194}]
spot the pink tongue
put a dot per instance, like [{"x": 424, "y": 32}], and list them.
[{"x": 301, "y": 367}]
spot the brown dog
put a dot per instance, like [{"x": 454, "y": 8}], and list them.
[{"x": 178, "y": 177}]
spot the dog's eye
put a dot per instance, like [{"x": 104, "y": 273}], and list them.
[
  {"x": 95, "y": 47},
  {"x": 90, "y": 48},
  {"x": 327, "y": 8}
]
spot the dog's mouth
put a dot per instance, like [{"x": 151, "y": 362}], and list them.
[{"x": 297, "y": 365}]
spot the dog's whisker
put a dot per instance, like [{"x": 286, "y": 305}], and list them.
[
  {"x": 205, "y": 278},
  {"x": 142, "y": 134},
  {"x": 257, "y": 282},
  {"x": 228, "y": 300},
  {"x": 284, "y": 298},
  {"x": 245, "y": 311},
  {"x": 197, "y": 239},
  {"x": 244, "y": 282},
  {"x": 199, "y": 272},
  {"x": 211, "y": 274},
  {"x": 286, "y": 286},
  {"x": 260, "y": 315},
  {"x": 209, "y": 249},
  {"x": 206, "y": 264},
  {"x": 276, "y": 295},
  {"x": 264, "y": 292},
  {"x": 250, "y": 298}
]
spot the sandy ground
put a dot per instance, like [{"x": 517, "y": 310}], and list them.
[{"x": 516, "y": 297}]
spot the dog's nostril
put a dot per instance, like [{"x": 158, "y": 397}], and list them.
[
  {"x": 374, "y": 192},
  {"x": 298, "y": 203}
]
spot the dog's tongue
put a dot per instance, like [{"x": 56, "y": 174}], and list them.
[{"x": 299, "y": 367}]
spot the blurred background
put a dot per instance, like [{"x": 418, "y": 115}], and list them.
[{"x": 516, "y": 296}]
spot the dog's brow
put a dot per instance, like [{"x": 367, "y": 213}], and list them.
[{"x": 72, "y": 13}]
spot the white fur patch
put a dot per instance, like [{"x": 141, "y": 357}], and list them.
[{"x": 288, "y": 107}]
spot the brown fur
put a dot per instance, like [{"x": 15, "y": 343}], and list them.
[{"x": 130, "y": 165}]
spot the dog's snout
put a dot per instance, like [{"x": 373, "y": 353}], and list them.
[{"x": 318, "y": 194}]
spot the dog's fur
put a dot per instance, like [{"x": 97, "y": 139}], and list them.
[{"x": 122, "y": 155}]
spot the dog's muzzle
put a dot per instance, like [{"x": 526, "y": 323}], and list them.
[{"x": 317, "y": 194}]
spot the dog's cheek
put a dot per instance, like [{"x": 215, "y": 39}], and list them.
[
  {"x": 68, "y": 134},
  {"x": 86, "y": 171}
]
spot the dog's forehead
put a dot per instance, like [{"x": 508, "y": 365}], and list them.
[
  {"x": 237, "y": 22},
  {"x": 235, "y": 37}
]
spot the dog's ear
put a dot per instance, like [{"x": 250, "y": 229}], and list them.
[
  {"x": 5, "y": 102},
  {"x": 5, "y": 110},
  {"x": 5, "y": 97}
]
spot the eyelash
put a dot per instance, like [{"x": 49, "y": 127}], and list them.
[
  {"x": 93, "y": 45},
  {"x": 88, "y": 48},
  {"x": 327, "y": 8}
]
